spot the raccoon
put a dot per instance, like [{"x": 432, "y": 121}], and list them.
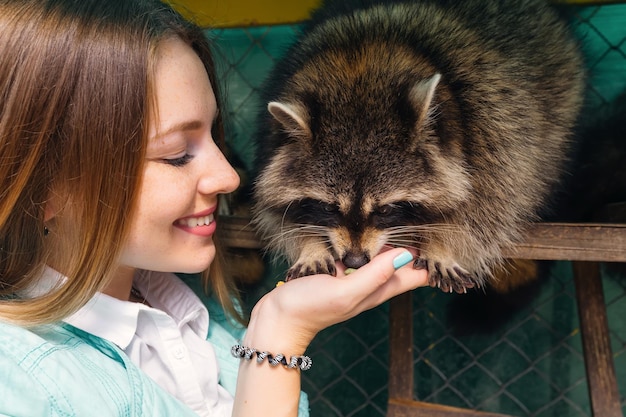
[{"x": 438, "y": 125}]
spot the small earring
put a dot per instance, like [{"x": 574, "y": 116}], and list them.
[{"x": 45, "y": 231}]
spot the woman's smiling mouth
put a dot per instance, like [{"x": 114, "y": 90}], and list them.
[
  {"x": 201, "y": 224},
  {"x": 196, "y": 221}
]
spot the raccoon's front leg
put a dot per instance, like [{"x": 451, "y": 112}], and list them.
[
  {"x": 315, "y": 258},
  {"x": 448, "y": 276}
]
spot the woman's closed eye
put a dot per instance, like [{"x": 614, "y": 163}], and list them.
[{"x": 180, "y": 161}]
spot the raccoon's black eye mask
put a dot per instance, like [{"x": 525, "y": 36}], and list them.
[
  {"x": 311, "y": 211},
  {"x": 402, "y": 213}
]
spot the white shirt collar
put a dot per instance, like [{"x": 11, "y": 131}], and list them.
[
  {"x": 120, "y": 324},
  {"x": 163, "y": 291}
]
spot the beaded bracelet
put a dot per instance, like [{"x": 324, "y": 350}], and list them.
[{"x": 302, "y": 362}]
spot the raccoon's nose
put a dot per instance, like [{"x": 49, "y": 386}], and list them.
[{"x": 355, "y": 259}]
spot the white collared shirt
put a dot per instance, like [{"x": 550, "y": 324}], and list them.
[{"x": 167, "y": 341}]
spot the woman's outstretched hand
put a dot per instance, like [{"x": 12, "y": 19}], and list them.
[{"x": 295, "y": 312}]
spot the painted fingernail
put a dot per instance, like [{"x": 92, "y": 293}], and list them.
[{"x": 402, "y": 259}]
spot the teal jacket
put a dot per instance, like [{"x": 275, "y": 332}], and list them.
[{"x": 59, "y": 370}]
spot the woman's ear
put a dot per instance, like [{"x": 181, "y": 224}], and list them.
[{"x": 52, "y": 206}]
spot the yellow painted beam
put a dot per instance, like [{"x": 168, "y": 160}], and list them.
[{"x": 239, "y": 13}]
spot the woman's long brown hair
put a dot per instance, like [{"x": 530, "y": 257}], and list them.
[{"x": 76, "y": 78}]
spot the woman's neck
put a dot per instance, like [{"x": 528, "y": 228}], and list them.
[{"x": 121, "y": 284}]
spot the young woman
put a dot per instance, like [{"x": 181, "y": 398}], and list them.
[{"x": 110, "y": 172}]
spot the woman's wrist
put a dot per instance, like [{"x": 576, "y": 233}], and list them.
[{"x": 273, "y": 330}]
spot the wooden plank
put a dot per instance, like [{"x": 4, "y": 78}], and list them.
[
  {"x": 406, "y": 408},
  {"x": 238, "y": 232},
  {"x": 572, "y": 241},
  {"x": 401, "y": 346},
  {"x": 594, "y": 329}
]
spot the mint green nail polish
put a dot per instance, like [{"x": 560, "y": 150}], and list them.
[{"x": 402, "y": 259}]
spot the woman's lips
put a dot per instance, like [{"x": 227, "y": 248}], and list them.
[
  {"x": 201, "y": 224},
  {"x": 196, "y": 221}
]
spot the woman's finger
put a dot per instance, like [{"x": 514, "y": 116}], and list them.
[{"x": 386, "y": 275}]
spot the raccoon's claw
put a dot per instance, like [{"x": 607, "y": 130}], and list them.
[
  {"x": 420, "y": 263},
  {"x": 318, "y": 267},
  {"x": 448, "y": 279}
]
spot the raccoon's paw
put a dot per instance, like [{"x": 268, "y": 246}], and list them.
[
  {"x": 311, "y": 267},
  {"x": 447, "y": 277}
]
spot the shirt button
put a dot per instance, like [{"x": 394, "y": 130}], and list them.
[{"x": 179, "y": 352}]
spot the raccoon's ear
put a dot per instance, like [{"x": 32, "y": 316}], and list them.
[
  {"x": 421, "y": 95},
  {"x": 292, "y": 117}
]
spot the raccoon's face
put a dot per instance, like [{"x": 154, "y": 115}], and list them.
[{"x": 357, "y": 201}]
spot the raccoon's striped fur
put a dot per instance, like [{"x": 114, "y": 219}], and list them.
[{"x": 440, "y": 125}]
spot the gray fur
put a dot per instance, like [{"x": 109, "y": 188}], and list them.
[{"x": 461, "y": 111}]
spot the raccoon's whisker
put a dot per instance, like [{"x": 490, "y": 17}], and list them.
[
  {"x": 405, "y": 245},
  {"x": 404, "y": 233},
  {"x": 282, "y": 220},
  {"x": 402, "y": 242},
  {"x": 300, "y": 229},
  {"x": 408, "y": 237},
  {"x": 309, "y": 226},
  {"x": 432, "y": 229},
  {"x": 293, "y": 232},
  {"x": 425, "y": 226},
  {"x": 292, "y": 237}
]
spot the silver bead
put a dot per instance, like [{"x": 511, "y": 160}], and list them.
[
  {"x": 276, "y": 359},
  {"x": 260, "y": 356},
  {"x": 306, "y": 363},
  {"x": 248, "y": 352}
]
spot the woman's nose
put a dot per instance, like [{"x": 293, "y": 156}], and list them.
[{"x": 219, "y": 177}]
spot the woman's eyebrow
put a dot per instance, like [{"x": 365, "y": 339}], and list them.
[{"x": 180, "y": 127}]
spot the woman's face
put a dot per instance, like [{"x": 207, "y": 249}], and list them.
[{"x": 172, "y": 229}]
